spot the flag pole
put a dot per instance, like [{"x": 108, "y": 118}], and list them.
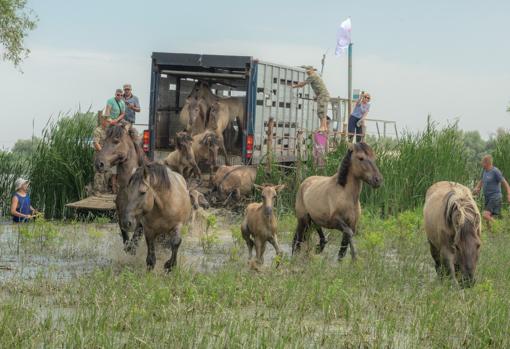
[{"x": 349, "y": 87}]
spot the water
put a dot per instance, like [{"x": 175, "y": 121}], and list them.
[{"x": 80, "y": 248}]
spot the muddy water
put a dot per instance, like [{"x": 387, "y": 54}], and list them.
[{"x": 71, "y": 250}]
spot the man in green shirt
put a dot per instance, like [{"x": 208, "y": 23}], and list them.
[
  {"x": 321, "y": 94},
  {"x": 115, "y": 108}
]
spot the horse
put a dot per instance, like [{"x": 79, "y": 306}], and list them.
[
  {"x": 233, "y": 181},
  {"x": 453, "y": 226},
  {"x": 235, "y": 105},
  {"x": 182, "y": 160},
  {"x": 333, "y": 202},
  {"x": 122, "y": 150},
  {"x": 193, "y": 114},
  {"x": 217, "y": 121},
  {"x": 259, "y": 224},
  {"x": 159, "y": 199},
  {"x": 205, "y": 147}
]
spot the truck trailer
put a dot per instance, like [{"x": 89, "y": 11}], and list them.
[{"x": 267, "y": 92}]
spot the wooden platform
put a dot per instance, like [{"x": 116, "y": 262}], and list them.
[{"x": 102, "y": 202}]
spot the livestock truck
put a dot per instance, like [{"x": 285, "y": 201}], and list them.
[{"x": 267, "y": 92}]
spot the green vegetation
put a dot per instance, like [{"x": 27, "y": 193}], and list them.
[
  {"x": 62, "y": 165},
  {"x": 15, "y": 23},
  {"x": 389, "y": 298}
]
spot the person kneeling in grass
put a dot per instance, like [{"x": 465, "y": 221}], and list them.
[{"x": 21, "y": 208}]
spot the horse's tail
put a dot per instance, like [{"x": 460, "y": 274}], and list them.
[{"x": 455, "y": 212}]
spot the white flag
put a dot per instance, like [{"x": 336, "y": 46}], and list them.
[{"x": 343, "y": 37}]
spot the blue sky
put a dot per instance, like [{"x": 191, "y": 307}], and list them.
[{"x": 449, "y": 59}]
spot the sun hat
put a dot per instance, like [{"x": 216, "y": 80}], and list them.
[
  {"x": 19, "y": 183},
  {"x": 308, "y": 67}
]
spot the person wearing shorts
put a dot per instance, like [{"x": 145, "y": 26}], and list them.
[
  {"x": 321, "y": 94},
  {"x": 491, "y": 183}
]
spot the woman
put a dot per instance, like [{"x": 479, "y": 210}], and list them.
[
  {"x": 358, "y": 116},
  {"x": 21, "y": 209}
]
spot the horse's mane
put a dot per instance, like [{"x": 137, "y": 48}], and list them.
[
  {"x": 157, "y": 173},
  {"x": 461, "y": 213},
  {"x": 115, "y": 131},
  {"x": 345, "y": 165}
]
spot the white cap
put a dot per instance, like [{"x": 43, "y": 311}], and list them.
[{"x": 19, "y": 183}]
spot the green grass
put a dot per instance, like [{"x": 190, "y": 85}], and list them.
[{"x": 389, "y": 298}]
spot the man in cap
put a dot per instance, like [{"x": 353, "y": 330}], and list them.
[
  {"x": 321, "y": 94},
  {"x": 132, "y": 104}
]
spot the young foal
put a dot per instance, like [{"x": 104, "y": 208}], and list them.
[
  {"x": 333, "y": 202},
  {"x": 182, "y": 160},
  {"x": 259, "y": 224},
  {"x": 452, "y": 224}
]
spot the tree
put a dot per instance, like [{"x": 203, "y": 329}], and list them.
[
  {"x": 26, "y": 147},
  {"x": 15, "y": 23}
]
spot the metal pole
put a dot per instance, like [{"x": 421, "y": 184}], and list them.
[{"x": 349, "y": 88}]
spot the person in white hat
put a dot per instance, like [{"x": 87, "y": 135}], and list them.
[{"x": 21, "y": 208}]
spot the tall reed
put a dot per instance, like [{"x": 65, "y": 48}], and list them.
[{"x": 62, "y": 165}]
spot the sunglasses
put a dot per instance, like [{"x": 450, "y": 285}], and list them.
[
  {"x": 118, "y": 95},
  {"x": 367, "y": 98},
  {"x": 127, "y": 89}
]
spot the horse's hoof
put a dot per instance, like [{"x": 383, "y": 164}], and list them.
[{"x": 130, "y": 248}]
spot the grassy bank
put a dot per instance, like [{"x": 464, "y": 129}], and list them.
[{"x": 389, "y": 298}]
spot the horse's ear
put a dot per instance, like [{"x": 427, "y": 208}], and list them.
[
  {"x": 258, "y": 187},
  {"x": 279, "y": 188},
  {"x": 350, "y": 146},
  {"x": 146, "y": 173}
]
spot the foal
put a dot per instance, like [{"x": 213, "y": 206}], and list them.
[{"x": 259, "y": 224}]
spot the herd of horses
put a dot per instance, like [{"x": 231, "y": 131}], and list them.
[{"x": 154, "y": 198}]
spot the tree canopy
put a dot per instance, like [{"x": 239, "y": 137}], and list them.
[{"x": 15, "y": 22}]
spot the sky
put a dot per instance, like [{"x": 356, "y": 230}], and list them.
[{"x": 449, "y": 59}]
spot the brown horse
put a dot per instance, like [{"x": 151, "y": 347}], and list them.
[
  {"x": 333, "y": 202},
  {"x": 193, "y": 114},
  {"x": 218, "y": 122},
  {"x": 205, "y": 147},
  {"x": 453, "y": 227},
  {"x": 159, "y": 199},
  {"x": 259, "y": 224},
  {"x": 182, "y": 160},
  {"x": 121, "y": 149},
  {"x": 233, "y": 181}
]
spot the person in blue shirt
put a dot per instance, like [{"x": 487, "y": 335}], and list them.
[
  {"x": 358, "y": 116},
  {"x": 21, "y": 208},
  {"x": 491, "y": 184}
]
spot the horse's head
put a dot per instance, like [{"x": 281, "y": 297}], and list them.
[
  {"x": 183, "y": 142},
  {"x": 116, "y": 147},
  {"x": 214, "y": 116},
  {"x": 212, "y": 143},
  {"x": 467, "y": 250},
  {"x": 198, "y": 199},
  {"x": 363, "y": 166},
  {"x": 269, "y": 193},
  {"x": 141, "y": 193},
  {"x": 197, "y": 108}
]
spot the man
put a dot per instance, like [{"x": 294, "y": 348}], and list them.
[
  {"x": 101, "y": 179},
  {"x": 358, "y": 116},
  {"x": 321, "y": 94},
  {"x": 115, "y": 108},
  {"x": 491, "y": 183},
  {"x": 132, "y": 104}
]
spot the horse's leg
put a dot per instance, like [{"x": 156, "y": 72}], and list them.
[
  {"x": 437, "y": 258},
  {"x": 260, "y": 247},
  {"x": 131, "y": 245},
  {"x": 346, "y": 240},
  {"x": 322, "y": 240},
  {"x": 151, "y": 252},
  {"x": 224, "y": 151},
  {"x": 273, "y": 240},
  {"x": 249, "y": 242},
  {"x": 175, "y": 242},
  {"x": 299, "y": 235}
]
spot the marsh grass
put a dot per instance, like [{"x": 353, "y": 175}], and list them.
[{"x": 390, "y": 297}]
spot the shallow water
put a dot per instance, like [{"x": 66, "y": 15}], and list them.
[{"x": 80, "y": 248}]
